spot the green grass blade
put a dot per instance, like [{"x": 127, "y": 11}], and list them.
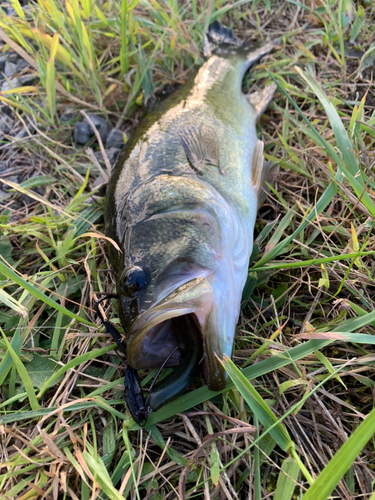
[
  {"x": 12, "y": 303},
  {"x": 343, "y": 459},
  {"x": 10, "y": 274},
  {"x": 312, "y": 262},
  {"x": 358, "y": 338},
  {"x": 315, "y": 134},
  {"x": 88, "y": 356},
  {"x": 262, "y": 411},
  {"x": 342, "y": 138},
  {"x": 287, "y": 480},
  {"x": 193, "y": 398},
  {"x": 321, "y": 205},
  {"x": 16, "y": 343},
  {"x": 20, "y": 416},
  {"x": 100, "y": 472},
  {"x": 172, "y": 454},
  {"x": 22, "y": 372}
]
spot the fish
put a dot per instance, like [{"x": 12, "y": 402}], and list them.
[{"x": 181, "y": 206}]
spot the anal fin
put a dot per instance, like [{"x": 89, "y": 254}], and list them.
[{"x": 261, "y": 99}]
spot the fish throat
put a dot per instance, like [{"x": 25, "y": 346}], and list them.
[{"x": 161, "y": 340}]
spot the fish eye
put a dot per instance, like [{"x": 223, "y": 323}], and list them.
[{"x": 135, "y": 280}]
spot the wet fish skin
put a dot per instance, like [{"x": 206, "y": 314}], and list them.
[{"x": 181, "y": 204}]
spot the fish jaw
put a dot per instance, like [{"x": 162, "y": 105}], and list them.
[
  {"x": 156, "y": 332},
  {"x": 163, "y": 327},
  {"x": 217, "y": 337}
]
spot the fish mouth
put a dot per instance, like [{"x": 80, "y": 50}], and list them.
[{"x": 183, "y": 317}]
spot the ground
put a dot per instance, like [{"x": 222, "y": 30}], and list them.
[{"x": 297, "y": 418}]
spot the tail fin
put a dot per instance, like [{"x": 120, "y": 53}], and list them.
[
  {"x": 221, "y": 41},
  {"x": 218, "y": 39}
]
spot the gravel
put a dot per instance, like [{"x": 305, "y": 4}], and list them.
[
  {"x": 112, "y": 155},
  {"x": 7, "y": 110},
  {"x": 115, "y": 138},
  {"x": 97, "y": 120},
  {"x": 28, "y": 79},
  {"x": 101, "y": 125},
  {"x": 12, "y": 83},
  {"x": 68, "y": 115},
  {"x": 11, "y": 55},
  {"x": 6, "y": 124},
  {"x": 3, "y": 194},
  {"x": 21, "y": 134},
  {"x": 10, "y": 69},
  {"x": 11, "y": 178},
  {"x": 3, "y": 167},
  {"x": 11, "y": 12},
  {"x": 3, "y": 60},
  {"x": 21, "y": 64},
  {"x": 83, "y": 131}
]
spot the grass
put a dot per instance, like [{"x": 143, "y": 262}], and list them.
[{"x": 296, "y": 419}]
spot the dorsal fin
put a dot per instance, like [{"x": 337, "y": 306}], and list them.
[
  {"x": 201, "y": 146},
  {"x": 261, "y": 172}
]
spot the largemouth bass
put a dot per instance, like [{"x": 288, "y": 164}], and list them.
[{"x": 181, "y": 204}]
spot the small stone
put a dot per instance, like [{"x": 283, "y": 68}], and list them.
[
  {"x": 11, "y": 12},
  {"x": 112, "y": 155},
  {"x": 103, "y": 132},
  {"x": 68, "y": 115},
  {"x": 21, "y": 64},
  {"x": 3, "y": 60},
  {"x": 99, "y": 181},
  {"x": 36, "y": 104},
  {"x": 115, "y": 138},
  {"x": 11, "y": 178},
  {"x": 28, "y": 79},
  {"x": 3, "y": 167},
  {"x": 21, "y": 134},
  {"x": 12, "y": 83},
  {"x": 82, "y": 132},
  {"x": 6, "y": 124},
  {"x": 97, "y": 120},
  {"x": 101, "y": 126},
  {"x": 3, "y": 194},
  {"x": 10, "y": 69},
  {"x": 25, "y": 198},
  {"x": 7, "y": 110},
  {"x": 11, "y": 55}
]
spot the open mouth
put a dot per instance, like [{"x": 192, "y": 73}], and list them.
[
  {"x": 177, "y": 321},
  {"x": 160, "y": 342},
  {"x": 189, "y": 319}
]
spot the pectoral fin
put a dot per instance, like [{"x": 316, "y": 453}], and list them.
[
  {"x": 261, "y": 99},
  {"x": 201, "y": 146}
]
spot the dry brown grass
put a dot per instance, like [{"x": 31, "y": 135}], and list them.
[{"x": 81, "y": 430}]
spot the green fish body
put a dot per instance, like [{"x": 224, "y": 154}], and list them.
[{"x": 181, "y": 205}]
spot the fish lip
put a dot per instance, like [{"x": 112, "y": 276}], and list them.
[
  {"x": 180, "y": 301},
  {"x": 194, "y": 297}
]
